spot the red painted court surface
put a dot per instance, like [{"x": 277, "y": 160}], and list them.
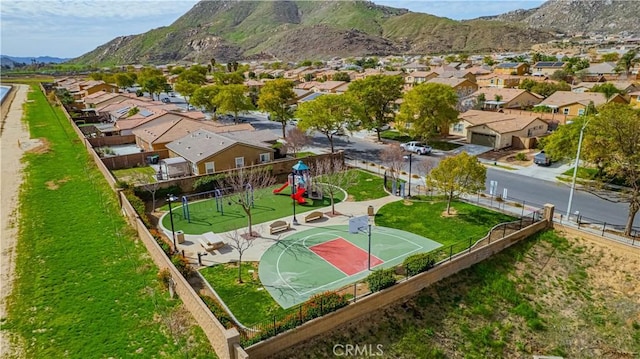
[{"x": 345, "y": 256}]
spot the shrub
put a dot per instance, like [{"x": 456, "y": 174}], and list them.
[
  {"x": 164, "y": 276},
  {"x": 418, "y": 263},
  {"x": 161, "y": 193},
  {"x": 138, "y": 205},
  {"x": 208, "y": 183},
  {"x": 218, "y": 311},
  {"x": 323, "y": 303},
  {"x": 521, "y": 157},
  {"x": 381, "y": 279},
  {"x": 182, "y": 265}
]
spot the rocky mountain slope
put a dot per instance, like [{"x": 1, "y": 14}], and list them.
[
  {"x": 577, "y": 16},
  {"x": 294, "y": 30}
]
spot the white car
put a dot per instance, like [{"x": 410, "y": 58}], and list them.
[{"x": 416, "y": 147}]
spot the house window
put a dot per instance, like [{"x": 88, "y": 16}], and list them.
[
  {"x": 239, "y": 162},
  {"x": 565, "y": 111},
  {"x": 209, "y": 167},
  {"x": 458, "y": 127},
  {"x": 264, "y": 157},
  {"x": 581, "y": 112},
  {"x": 491, "y": 82}
]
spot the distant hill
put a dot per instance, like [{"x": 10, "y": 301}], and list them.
[
  {"x": 577, "y": 16},
  {"x": 29, "y": 60},
  {"x": 296, "y": 30}
]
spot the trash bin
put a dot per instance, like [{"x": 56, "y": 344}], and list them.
[
  {"x": 370, "y": 210},
  {"x": 153, "y": 159},
  {"x": 180, "y": 236}
]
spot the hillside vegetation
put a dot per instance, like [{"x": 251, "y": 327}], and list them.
[
  {"x": 295, "y": 30},
  {"x": 546, "y": 296}
]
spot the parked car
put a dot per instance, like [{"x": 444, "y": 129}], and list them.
[
  {"x": 541, "y": 159},
  {"x": 416, "y": 147}
]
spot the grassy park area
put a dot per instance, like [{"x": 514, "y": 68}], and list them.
[
  {"x": 84, "y": 287},
  {"x": 366, "y": 186}
]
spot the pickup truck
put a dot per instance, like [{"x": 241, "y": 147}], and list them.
[
  {"x": 541, "y": 159},
  {"x": 416, "y": 147}
]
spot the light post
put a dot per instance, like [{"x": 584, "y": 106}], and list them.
[
  {"x": 409, "y": 157},
  {"x": 293, "y": 198},
  {"x": 171, "y": 198},
  {"x": 575, "y": 169}
]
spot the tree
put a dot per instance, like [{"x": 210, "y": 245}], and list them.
[
  {"x": 228, "y": 78},
  {"x": 457, "y": 175},
  {"x": 488, "y": 60},
  {"x": 392, "y": 156},
  {"x": 611, "y": 57},
  {"x": 608, "y": 89},
  {"x": 123, "y": 80},
  {"x": 527, "y": 84},
  {"x": 328, "y": 114},
  {"x": 627, "y": 61},
  {"x": 206, "y": 97},
  {"x": 193, "y": 75},
  {"x": 232, "y": 98},
  {"x": 375, "y": 96},
  {"x": 152, "y": 81},
  {"x": 148, "y": 184},
  {"x": 450, "y": 58},
  {"x": 186, "y": 89},
  {"x": 547, "y": 89},
  {"x": 245, "y": 187},
  {"x": 331, "y": 174},
  {"x": 341, "y": 76},
  {"x": 480, "y": 101},
  {"x": 612, "y": 142},
  {"x": 559, "y": 75},
  {"x": 296, "y": 140},
  {"x": 276, "y": 98},
  {"x": 428, "y": 107},
  {"x": 239, "y": 242},
  {"x": 304, "y": 63},
  {"x": 497, "y": 98}
]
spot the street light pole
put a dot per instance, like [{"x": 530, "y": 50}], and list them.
[
  {"x": 293, "y": 192},
  {"x": 575, "y": 169},
  {"x": 170, "y": 198},
  {"x": 409, "y": 174}
]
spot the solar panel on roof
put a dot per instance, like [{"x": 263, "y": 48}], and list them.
[
  {"x": 123, "y": 110},
  {"x": 145, "y": 113}
]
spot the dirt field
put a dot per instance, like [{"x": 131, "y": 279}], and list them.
[{"x": 573, "y": 297}]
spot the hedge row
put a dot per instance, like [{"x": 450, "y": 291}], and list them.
[
  {"x": 418, "y": 263},
  {"x": 381, "y": 279}
]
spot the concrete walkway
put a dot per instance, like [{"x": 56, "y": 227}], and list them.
[{"x": 344, "y": 211}]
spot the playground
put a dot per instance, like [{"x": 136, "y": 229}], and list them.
[
  {"x": 321, "y": 259},
  {"x": 214, "y": 211}
]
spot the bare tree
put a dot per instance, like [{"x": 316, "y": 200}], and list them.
[
  {"x": 245, "y": 185},
  {"x": 393, "y": 157},
  {"x": 331, "y": 174},
  {"x": 296, "y": 140},
  {"x": 149, "y": 185},
  {"x": 240, "y": 243},
  {"x": 424, "y": 168}
]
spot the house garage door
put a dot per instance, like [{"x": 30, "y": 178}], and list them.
[{"x": 483, "y": 140}]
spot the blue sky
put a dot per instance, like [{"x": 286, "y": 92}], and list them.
[{"x": 70, "y": 28}]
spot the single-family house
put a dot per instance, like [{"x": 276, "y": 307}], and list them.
[
  {"x": 507, "y": 98},
  {"x": 415, "y": 66},
  {"x": 498, "y": 80},
  {"x": 573, "y": 104},
  {"x": 209, "y": 152},
  {"x": 546, "y": 68},
  {"x": 154, "y": 135},
  {"x": 499, "y": 130},
  {"x": 462, "y": 86},
  {"x": 418, "y": 77},
  {"x": 458, "y": 74},
  {"x": 512, "y": 68},
  {"x": 635, "y": 99},
  {"x": 601, "y": 71}
]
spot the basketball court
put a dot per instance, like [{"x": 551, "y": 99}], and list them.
[{"x": 322, "y": 259}]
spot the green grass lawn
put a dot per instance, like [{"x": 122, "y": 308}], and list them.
[
  {"x": 131, "y": 175},
  {"x": 248, "y": 303},
  {"x": 268, "y": 207},
  {"x": 443, "y": 145},
  {"x": 366, "y": 186},
  {"x": 583, "y": 172},
  {"x": 84, "y": 286},
  {"x": 425, "y": 219}
]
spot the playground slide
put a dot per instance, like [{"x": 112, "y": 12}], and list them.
[
  {"x": 298, "y": 196},
  {"x": 278, "y": 190}
]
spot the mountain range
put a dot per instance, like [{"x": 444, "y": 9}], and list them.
[
  {"x": 295, "y": 30},
  {"x": 11, "y": 61}
]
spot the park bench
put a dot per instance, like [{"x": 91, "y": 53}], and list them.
[
  {"x": 210, "y": 241},
  {"x": 278, "y": 226},
  {"x": 313, "y": 216}
]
